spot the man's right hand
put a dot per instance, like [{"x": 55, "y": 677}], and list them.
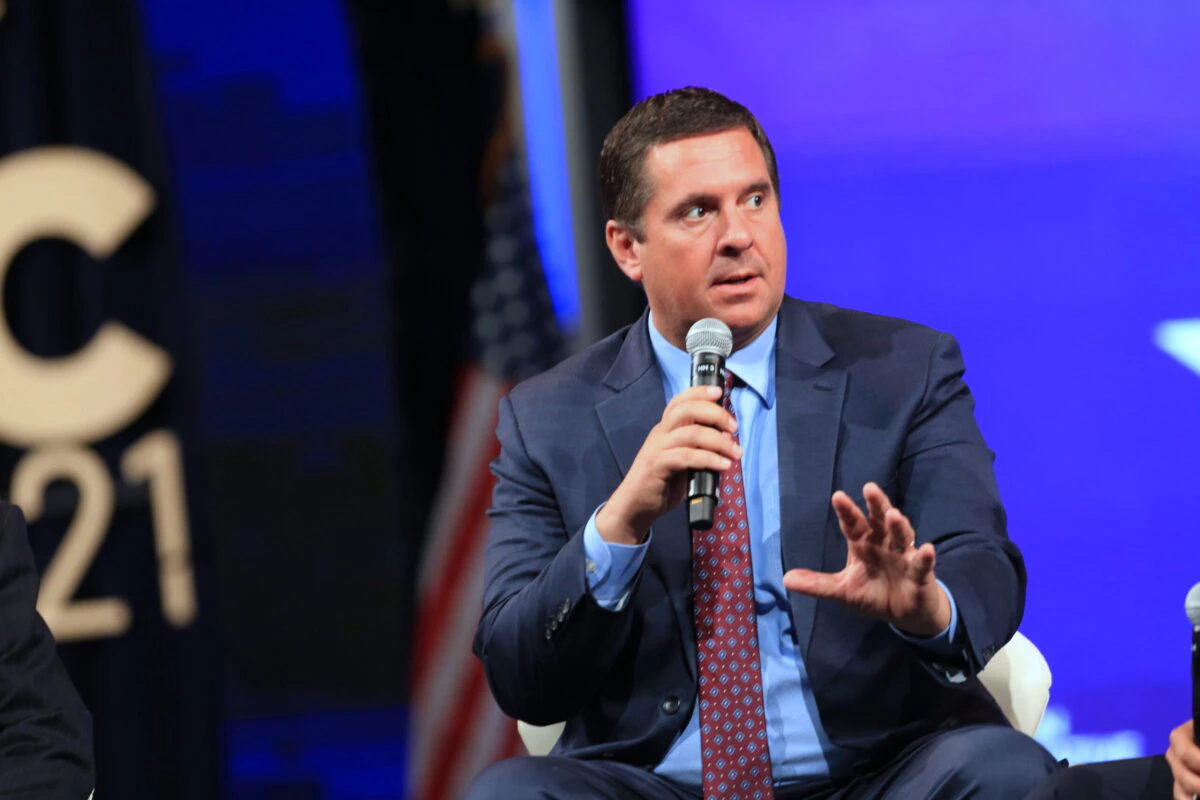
[
  {"x": 695, "y": 432},
  {"x": 1184, "y": 758}
]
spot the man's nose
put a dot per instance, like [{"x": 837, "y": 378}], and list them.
[{"x": 736, "y": 237}]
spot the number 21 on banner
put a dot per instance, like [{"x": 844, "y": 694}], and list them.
[{"x": 154, "y": 458}]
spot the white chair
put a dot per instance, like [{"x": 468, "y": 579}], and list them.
[{"x": 1017, "y": 676}]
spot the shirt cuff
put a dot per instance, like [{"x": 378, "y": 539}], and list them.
[
  {"x": 944, "y": 646},
  {"x": 610, "y": 568}
]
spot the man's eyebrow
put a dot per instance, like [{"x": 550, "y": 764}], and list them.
[{"x": 758, "y": 187}]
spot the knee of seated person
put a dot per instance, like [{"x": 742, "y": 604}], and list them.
[
  {"x": 523, "y": 776},
  {"x": 1076, "y": 782},
  {"x": 1008, "y": 778},
  {"x": 1001, "y": 763}
]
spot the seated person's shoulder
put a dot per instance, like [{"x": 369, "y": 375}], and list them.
[
  {"x": 573, "y": 378},
  {"x": 856, "y": 336}
]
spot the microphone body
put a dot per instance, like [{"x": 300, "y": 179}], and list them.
[
  {"x": 709, "y": 342},
  {"x": 1192, "y": 606},
  {"x": 707, "y": 370},
  {"x": 1195, "y": 683}
]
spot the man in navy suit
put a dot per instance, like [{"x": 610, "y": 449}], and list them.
[
  {"x": 871, "y": 613},
  {"x": 45, "y": 731}
]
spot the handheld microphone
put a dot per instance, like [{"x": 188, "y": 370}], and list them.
[
  {"x": 1192, "y": 606},
  {"x": 709, "y": 342}
]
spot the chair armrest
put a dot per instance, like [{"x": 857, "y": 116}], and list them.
[{"x": 1018, "y": 677}]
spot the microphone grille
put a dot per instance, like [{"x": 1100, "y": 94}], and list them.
[
  {"x": 1192, "y": 605},
  {"x": 710, "y": 335}
]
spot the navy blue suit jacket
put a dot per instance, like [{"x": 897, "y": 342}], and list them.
[
  {"x": 45, "y": 731},
  {"x": 860, "y": 398}
]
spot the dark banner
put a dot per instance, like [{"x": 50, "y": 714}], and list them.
[
  {"x": 94, "y": 421},
  {"x": 296, "y": 440},
  {"x": 236, "y": 244}
]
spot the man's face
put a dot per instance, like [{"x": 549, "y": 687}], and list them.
[{"x": 713, "y": 244}]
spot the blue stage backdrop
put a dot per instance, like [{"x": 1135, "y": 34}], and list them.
[{"x": 1025, "y": 176}]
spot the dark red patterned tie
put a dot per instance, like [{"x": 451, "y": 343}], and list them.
[{"x": 735, "y": 759}]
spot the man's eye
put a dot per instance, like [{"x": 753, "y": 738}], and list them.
[
  {"x": 693, "y": 213},
  {"x": 757, "y": 201}
]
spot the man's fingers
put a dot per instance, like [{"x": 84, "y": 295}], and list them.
[
  {"x": 877, "y": 501},
  {"x": 1185, "y": 778},
  {"x": 900, "y": 533},
  {"x": 923, "y": 560},
  {"x": 918, "y": 562},
  {"x": 853, "y": 524},
  {"x": 684, "y": 458},
  {"x": 710, "y": 393},
  {"x": 695, "y": 413},
  {"x": 701, "y": 437},
  {"x": 698, "y": 405},
  {"x": 816, "y": 584},
  {"x": 1185, "y": 750},
  {"x": 877, "y": 507},
  {"x": 1189, "y": 782},
  {"x": 891, "y": 529}
]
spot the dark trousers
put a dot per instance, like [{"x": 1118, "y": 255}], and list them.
[
  {"x": 1146, "y": 778},
  {"x": 980, "y": 762}
]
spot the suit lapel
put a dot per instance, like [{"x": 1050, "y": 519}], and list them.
[
  {"x": 811, "y": 391},
  {"x": 626, "y": 418}
]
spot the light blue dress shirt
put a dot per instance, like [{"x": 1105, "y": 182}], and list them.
[{"x": 800, "y": 748}]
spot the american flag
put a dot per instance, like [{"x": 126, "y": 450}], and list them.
[{"x": 457, "y": 727}]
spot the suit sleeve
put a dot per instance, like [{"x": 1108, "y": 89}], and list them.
[
  {"x": 950, "y": 495},
  {"x": 545, "y": 643},
  {"x": 45, "y": 731}
]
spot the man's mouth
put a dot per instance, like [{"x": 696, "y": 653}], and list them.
[{"x": 735, "y": 280}]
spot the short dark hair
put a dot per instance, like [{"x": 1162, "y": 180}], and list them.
[{"x": 661, "y": 118}]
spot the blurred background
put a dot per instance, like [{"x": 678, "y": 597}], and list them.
[{"x": 267, "y": 267}]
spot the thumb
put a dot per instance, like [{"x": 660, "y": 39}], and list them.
[{"x": 813, "y": 583}]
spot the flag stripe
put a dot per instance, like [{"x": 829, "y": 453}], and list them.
[
  {"x": 488, "y": 742},
  {"x": 449, "y": 654},
  {"x": 445, "y": 760},
  {"x": 436, "y": 698},
  {"x": 472, "y": 430},
  {"x": 446, "y": 595}
]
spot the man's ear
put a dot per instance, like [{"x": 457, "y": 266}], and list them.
[{"x": 625, "y": 249}]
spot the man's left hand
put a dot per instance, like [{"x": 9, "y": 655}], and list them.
[{"x": 886, "y": 575}]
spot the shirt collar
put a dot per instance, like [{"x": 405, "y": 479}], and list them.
[{"x": 754, "y": 363}]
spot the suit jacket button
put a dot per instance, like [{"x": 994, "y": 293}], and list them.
[{"x": 670, "y": 705}]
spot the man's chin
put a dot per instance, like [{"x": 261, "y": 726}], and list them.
[
  {"x": 746, "y": 320},
  {"x": 747, "y": 332}
]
